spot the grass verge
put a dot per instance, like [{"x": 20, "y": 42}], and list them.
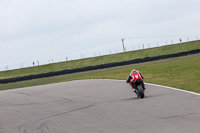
[{"x": 181, "y": 72}]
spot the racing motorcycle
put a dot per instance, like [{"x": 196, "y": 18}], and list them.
[{"x": 137, "y": 83}]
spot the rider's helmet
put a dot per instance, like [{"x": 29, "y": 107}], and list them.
[{"x": 133, "y": 72}]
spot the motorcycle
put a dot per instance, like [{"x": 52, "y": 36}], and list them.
[{"x": 137, "y": 83}]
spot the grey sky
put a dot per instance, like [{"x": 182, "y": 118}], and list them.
[{"x": 42, "y": 30}]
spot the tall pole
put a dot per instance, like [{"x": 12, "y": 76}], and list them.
[{"x": 123, "y": 44}]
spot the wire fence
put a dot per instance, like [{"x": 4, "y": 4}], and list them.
[{"x": 112, "y": 47}]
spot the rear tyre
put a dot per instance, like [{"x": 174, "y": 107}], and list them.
[{"x": 140, "y": 91}]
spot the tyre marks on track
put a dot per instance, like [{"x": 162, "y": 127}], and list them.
[{"x": 43, "y": 123}]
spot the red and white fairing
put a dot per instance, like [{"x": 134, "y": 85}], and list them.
[{"x": 135, "y": 76}]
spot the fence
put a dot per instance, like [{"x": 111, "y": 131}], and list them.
[{"x": 99, "y": 53}]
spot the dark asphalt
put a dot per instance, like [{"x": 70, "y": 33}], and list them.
[{"x": 98, "y": 106}]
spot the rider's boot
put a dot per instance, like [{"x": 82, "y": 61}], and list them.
[{"x": 133, "y": 89}]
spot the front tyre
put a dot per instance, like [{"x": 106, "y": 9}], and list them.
[{"x": 140, "y": 91}]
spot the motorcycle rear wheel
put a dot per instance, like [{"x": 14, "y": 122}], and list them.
[{"x": 140, "y": 91}]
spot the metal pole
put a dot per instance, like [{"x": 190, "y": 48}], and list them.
[{"x": 123, "y": 44}]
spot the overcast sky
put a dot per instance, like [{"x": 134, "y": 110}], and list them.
[{"x": 51, "y": 30}]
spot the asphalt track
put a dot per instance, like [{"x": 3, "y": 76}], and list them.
[{"x": 98, "y": 106}]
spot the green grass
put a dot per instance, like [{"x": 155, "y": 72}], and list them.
[
  {"x": 181, "y": 72},
  {"x": 168, "y": 49}
]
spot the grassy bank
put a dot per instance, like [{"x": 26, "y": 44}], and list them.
[
  {"x": 168, "y": 49},
  {"x": 181, "y": 72}
]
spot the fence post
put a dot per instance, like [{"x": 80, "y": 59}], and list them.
[{"x": 180, "y": 40}]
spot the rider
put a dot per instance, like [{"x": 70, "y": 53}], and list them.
[{"x": 131, "y": 82}]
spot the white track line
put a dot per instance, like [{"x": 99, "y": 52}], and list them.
[
  {"x": 194, "y": 93},
  {"x": 176, "y": 89}
]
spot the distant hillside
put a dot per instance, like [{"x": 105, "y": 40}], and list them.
[{"x": 168, "y": 49}]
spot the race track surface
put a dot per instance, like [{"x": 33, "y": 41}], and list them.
[{"x": 98, "y": 106}]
